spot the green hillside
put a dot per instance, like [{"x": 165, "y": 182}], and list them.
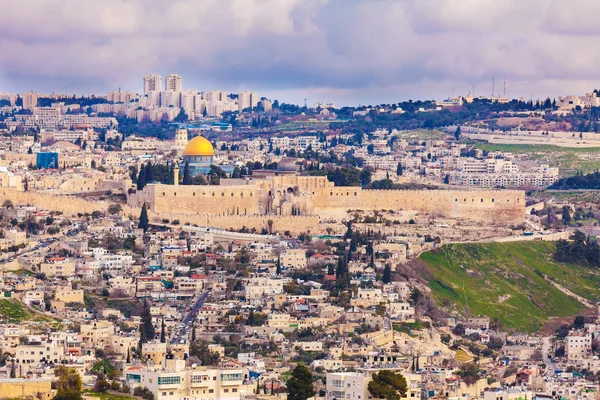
[{"x": 506, "y": 280}]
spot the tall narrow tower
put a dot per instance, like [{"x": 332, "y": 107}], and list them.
[
  {"x": 181, "y": 139},
  {"x": 176, "y": 174}
]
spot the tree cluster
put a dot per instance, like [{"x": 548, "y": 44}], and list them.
[
  {"x": 580, "y": 250},
  {"x": 579, "y": 181}
]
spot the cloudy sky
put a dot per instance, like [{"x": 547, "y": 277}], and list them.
[{"x": 345, "y": 51}]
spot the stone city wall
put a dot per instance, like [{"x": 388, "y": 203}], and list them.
[
  {"x": 503, "y": 207},
  {"x": 225, "y": 200},
  {"x": 491, "y": 206},
  {"x": 64, "y": 204}
]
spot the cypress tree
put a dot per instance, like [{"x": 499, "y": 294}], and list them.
[
  {"x": 387, "y": 274},
  {"x": 187, "y": 178},
  {"x": 278, "y": 271},
  {"x": 163, "y": 339},
  {"x": 146, "y": 328},
  {"x": 144, "y": 221},
  {"x": 141, "y": 179},
  {"x": 149, "y": 172},
  {"x": 330, "y": 269}
]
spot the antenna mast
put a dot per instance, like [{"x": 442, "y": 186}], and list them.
[{"x": 493, "y": 86}]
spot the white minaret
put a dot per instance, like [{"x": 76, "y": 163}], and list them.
[{"x": 176, "y": 174}]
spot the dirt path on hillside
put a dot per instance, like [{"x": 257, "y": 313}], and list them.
[{"x": 566, "y": 291}]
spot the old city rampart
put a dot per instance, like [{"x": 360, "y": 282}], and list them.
[
  {"x": 65, "y": 204},
  {"x": 503, "y": 207}
]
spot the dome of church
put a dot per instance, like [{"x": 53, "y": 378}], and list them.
[
  {"x": 199, "y": 146},
  {"x": 287, "y": 165}
]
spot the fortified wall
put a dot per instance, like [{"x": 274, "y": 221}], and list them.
[
  {"x": 64, "y": 204},
  {"x": 489, "y": 206},
  {"x": 198, "y": 199},
  {"x": 275, "y": 196}
]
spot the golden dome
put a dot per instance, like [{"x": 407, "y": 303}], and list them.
[{"x": 199, "y": 146}]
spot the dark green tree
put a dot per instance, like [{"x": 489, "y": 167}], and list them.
[
  {"x": 200, "y": 349},
  {"x": 187, "y": 177},
  {"x": 193, "y": 333},
  {"x": 300, "y": 385},
  {"x": 457, "y": 133},
  {"x": 163, "y": 338},
  {"x": 146, "y": 327},
  {"x": 141, "y": 179},
  {"x": 144, "y": 220},
  {"x": 387, "y": 274},
  {"x": 149, "y": 172},
  {"x": 388, "y": 385},
  {"x": 365, "y": 177},
  {"x": 579, "y": 322},
  {"x": 278, "y": 270},
  {"x": 399, "y": 170},
  {"x": 566, "y": 215}
]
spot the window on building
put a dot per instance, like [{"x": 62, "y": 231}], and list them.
[{"x": 169, "y": 380}]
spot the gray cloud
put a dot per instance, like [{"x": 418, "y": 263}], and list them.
[{"x": 348, "y": 51}]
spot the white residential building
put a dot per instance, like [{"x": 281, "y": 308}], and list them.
[
  {"x": 174, "y": 83},
  {"x": 152, "y": 83}
]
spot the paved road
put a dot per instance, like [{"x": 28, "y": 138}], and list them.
[
  {"x": 546, "y": 346},
  {"x": 387, "y": 323},
  {"x": 194, "y": 310},
  {"x": 189, "y": 317}
]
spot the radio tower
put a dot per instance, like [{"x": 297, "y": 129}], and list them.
[
  {"x": 305, "y": 103},
  {"x": 493, "y": 86},
  {"x": 504, "y": 87}
]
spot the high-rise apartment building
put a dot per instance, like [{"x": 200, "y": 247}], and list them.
[
  {"x": 215, "y": 95},
  {"x": 247, "y": 100},
  {"x": 187, "y": 101},
  {"x": 30, "y": 100},
  {"x": 174, "y": 83},
  {"x": 170, "y": 98},
  {"x": 152, "y": 83},
  {"x": 153, "y": 98}
]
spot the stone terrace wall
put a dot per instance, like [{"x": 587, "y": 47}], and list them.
[{"x": 295, "y": 224}]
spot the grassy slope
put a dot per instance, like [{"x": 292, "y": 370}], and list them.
[
  {"x": 475, "y": 276},
  {"x": 16, "y": 312},
  {"x": 569, "y": 160}
]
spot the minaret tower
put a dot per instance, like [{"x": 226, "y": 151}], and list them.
[
  {"x": 176, "y": 174},
  {"x": 181, "y": 139}
]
